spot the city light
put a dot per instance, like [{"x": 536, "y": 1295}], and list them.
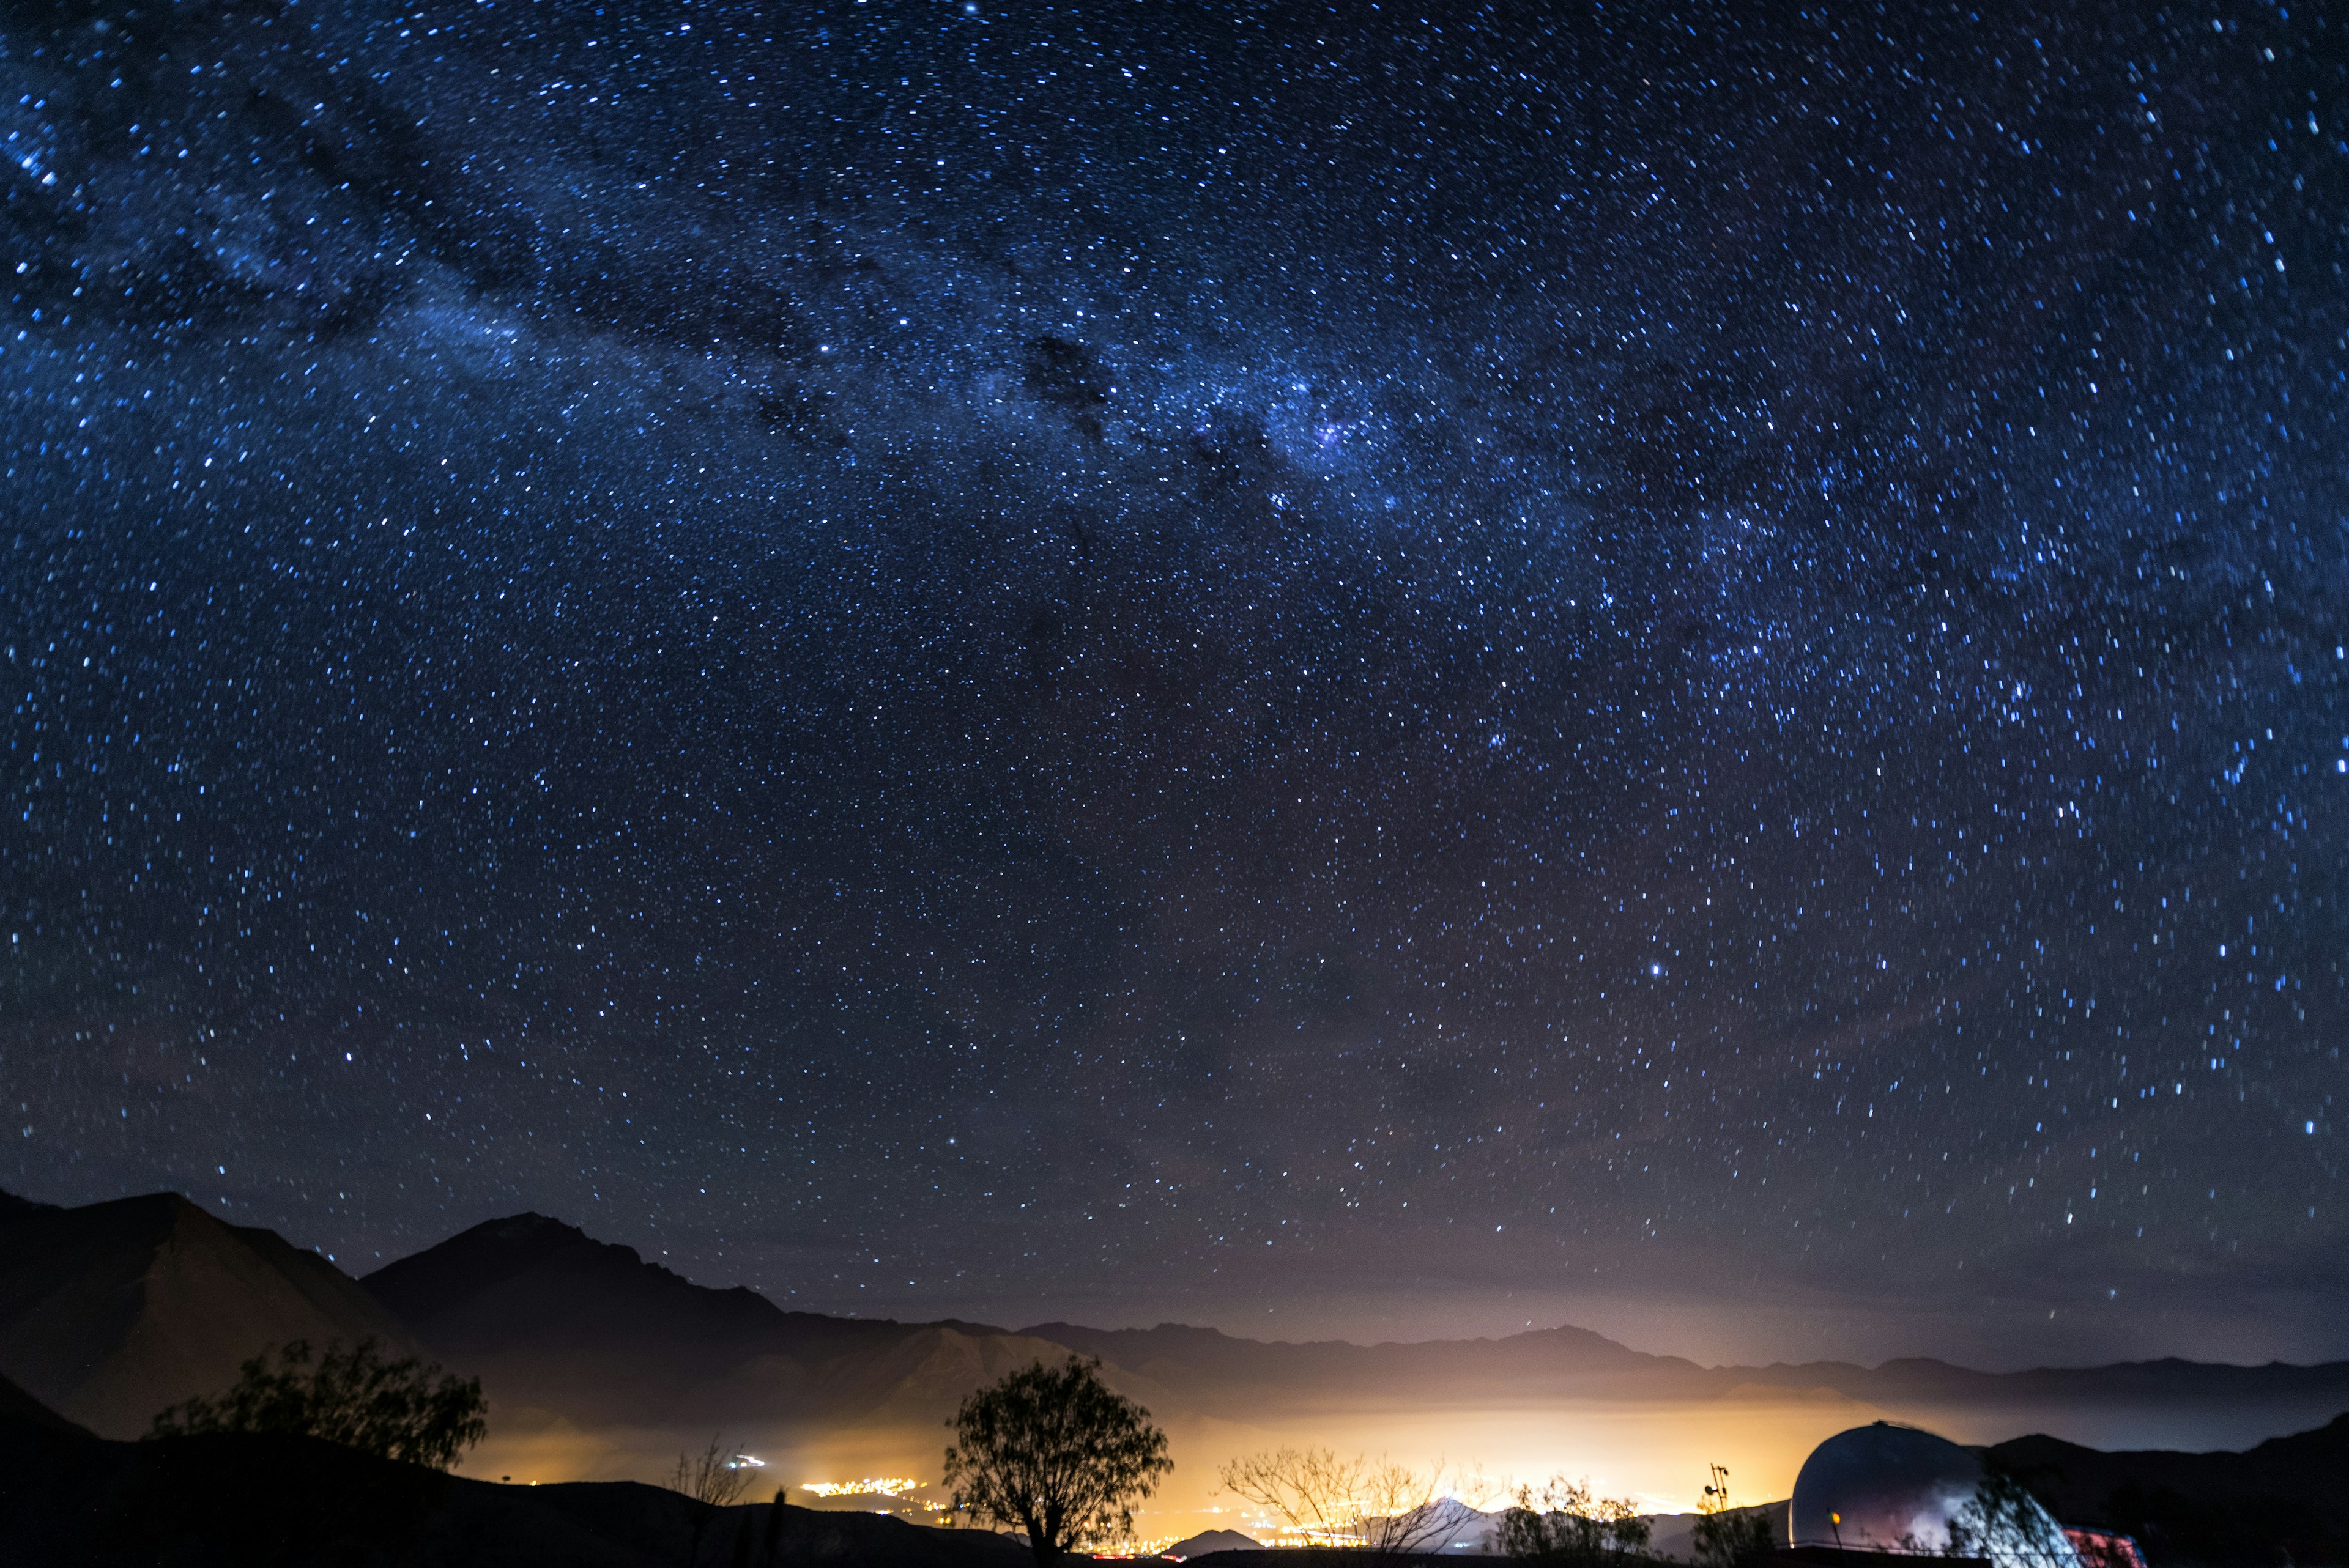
[{"x": 871, "y": 1486}]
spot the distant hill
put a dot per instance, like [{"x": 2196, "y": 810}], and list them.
[
  {"x": 1673, "y": 1536},
  {"x": 1223, "y": 1371},
  {"x": 110, "y": 1311},
  {"x": 68, "y": 1500},
  {"x": 1208, "y": 1541},
  {"x": 551, "y": 1317},
  {"x": 1226, "y": 1376},
  {"x": 2279, "y": 1501},
  {"x": 17, "y": 1405},
  {"x": 921, "y": 1378},
  {"x": 2170, "y": 1381}
]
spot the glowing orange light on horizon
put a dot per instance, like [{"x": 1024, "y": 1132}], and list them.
[{"x": 871, "y": 1486}]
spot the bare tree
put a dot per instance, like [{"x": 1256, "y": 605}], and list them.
[
  {"x": 714, "y": 1479},
  {"x": 1355, "y": 1508}
]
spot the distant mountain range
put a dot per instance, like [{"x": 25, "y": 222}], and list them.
[
  {"x": 535, "y": 1302},
  {"x": 560, "y": 1322},
  {"x": 1222, "y": 1374},
  {"x": 110, "y": 1312}
]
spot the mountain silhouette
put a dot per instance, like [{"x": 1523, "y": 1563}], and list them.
[
  {"x": 2278, "y": 1501},
  {"x": 1224, "y": 1375},
  {"x": 552, "y": 1318},
  {"x": 112, "y": 1311}
]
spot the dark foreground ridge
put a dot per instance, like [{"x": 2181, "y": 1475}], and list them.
[
  {"x": 2279, "y": 1503},
  {"x": 68, "y": 1498}
]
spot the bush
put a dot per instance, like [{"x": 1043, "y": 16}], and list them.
[
  {"x": 1728, "y": 1536},
  {"x": 1566, "y": 1525},
  {"x": 394, "y": 1409}
]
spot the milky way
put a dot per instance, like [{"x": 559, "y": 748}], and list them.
[{"x": 1112, "y": 660}]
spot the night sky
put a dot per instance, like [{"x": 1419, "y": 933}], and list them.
[{"x": 1369, "y": 669}]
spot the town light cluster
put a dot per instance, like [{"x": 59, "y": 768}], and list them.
[{"x": 871, "y": 1486}]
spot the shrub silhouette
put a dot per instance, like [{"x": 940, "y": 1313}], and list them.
[
  {"x": 394, "y": 1409},
  {"x": 1567, "y": 1526}
]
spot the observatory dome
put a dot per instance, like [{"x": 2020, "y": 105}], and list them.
[{"x": 1896, "y": 1488}]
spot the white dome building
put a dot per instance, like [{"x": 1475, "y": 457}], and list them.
[{"x": 1897, "y": 1489}]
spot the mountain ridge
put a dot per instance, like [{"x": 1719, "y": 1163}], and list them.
[
  {"x": 112, "y": 1311},
  {"x": 446, "y": 1278},
  {"x": 394, "y": 1283},
  {"x": 534, "y": 1300},
  {"x": 534, "y": 1305},
  {"x": 1542, "y": 1362},
  {"x": 2277, "y": 1500}
]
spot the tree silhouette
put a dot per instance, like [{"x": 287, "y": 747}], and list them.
[
  {"x": 396, "y": 1409},
  {"x": 1054, "y": 1452},
  {"x": 1567, "y": 1525}
]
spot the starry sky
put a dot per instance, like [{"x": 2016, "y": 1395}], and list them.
[{"x": 1373, "y": 669}]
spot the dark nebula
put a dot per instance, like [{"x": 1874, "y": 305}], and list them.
[{"x": 1418, "y": 666}]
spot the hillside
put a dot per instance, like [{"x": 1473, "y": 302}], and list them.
[
  {"x": 553, "y": 1318},
  {"x": 110, "y": 1311},
  {"x": 591, "y": 1332},
  {"x": 1223, "y": 1371},
  {"x": 69, "y": 1500},
  {"x": 1230, "y": 1376},
  {"x": 2280, "y": 1501}
]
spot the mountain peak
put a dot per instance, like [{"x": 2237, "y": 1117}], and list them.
[
  {"x": 528, "y": 1280},
  {"x": 553, "y": 1318},
  {"x": 531, "y": 1222},
  {"x": 112, "y": 1311},
  {"x": 478, "y": 1263},
  {"x": 536, "y": 1234}
]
